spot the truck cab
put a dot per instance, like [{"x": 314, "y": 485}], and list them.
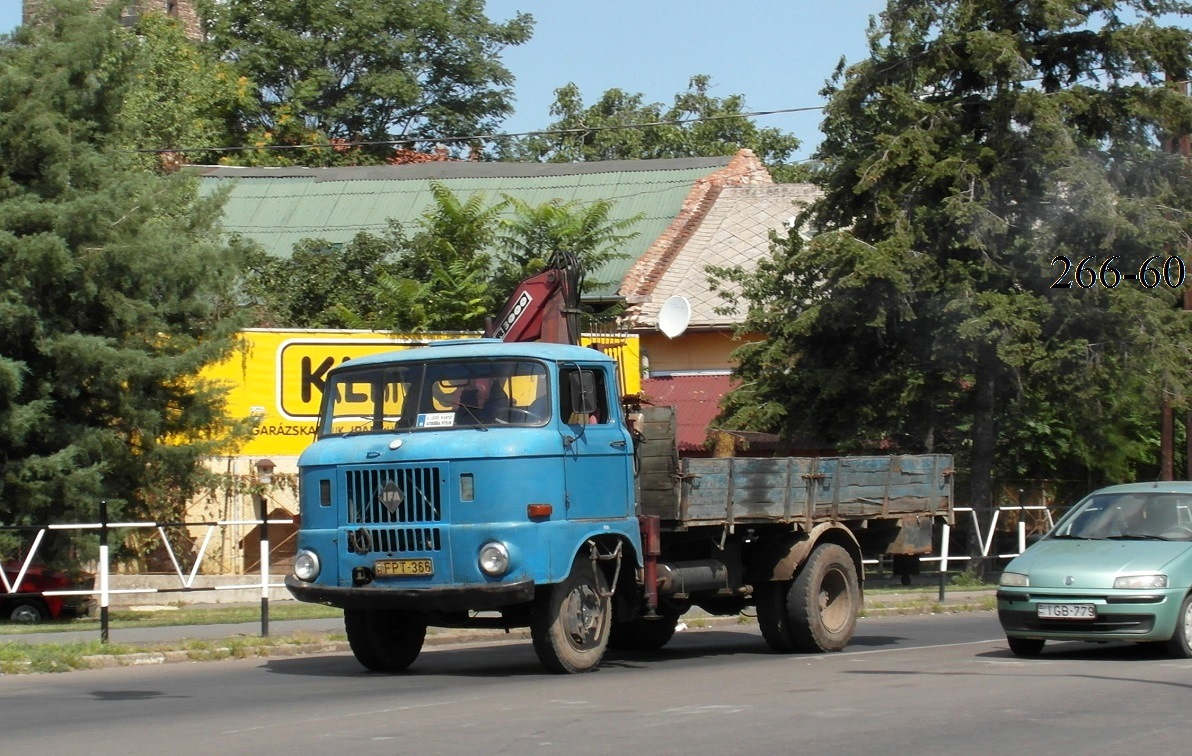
[{"x": 474, "y": 482}]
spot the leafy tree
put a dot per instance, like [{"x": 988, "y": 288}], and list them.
[
  {"x": 450, "y": 254},
  {"x": 178, "y": 96},
  {"x": 979, "y": 142},
  {"x": 622, "y": 126},
  {"x": 114, "y": 290},
  {"x": 371, "y": 70},
  {"x": 454, "y": 270},
  {"x": 320, "y": 285},
  {"x": 434, "y": 279},
  {"x": 534, "y": 234}
]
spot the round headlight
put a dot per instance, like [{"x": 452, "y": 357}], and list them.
[
  {"x": 494, "y": 559},
  {"x": 306, "y": 565}
]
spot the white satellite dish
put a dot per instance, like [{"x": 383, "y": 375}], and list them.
[{"x": 674, "y": 316}]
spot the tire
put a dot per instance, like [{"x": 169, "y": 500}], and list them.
[
  {"x": 384, "y": 641},
  {"x": 1026, "y": 646},
  {"x": 641, "y": 634},
  {"x": 1180, "y": 645},
  {"x": 772, "y": 616},
  {"x": 815, "y": 612},
  {"x": 572, "y": 619},
  {"x": 27, "y": 611}
]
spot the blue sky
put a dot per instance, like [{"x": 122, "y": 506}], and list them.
[{"x": 776, "y": 53}]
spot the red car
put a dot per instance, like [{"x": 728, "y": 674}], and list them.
[{"x": 27, "y": 602}]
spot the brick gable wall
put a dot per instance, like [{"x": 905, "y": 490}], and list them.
[
  {"x": 745, "y": 169},
  {"x": 183, "y": 10}
]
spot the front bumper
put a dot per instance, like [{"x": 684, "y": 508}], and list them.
[
  {"x": 442, "y": 599},
  {"x": 1120, "y": 615}
]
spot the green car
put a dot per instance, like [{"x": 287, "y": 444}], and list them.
[{"x": 1116, "y": 567}]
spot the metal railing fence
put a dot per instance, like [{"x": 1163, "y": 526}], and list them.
[{"x": 103, "y": 590}]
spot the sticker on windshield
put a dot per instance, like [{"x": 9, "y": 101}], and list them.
[{"x": 436, "y": 420}]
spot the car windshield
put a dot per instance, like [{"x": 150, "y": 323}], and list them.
[
  {"x": 436, "y": 395},
  {"x": 1126, "y": 516}
]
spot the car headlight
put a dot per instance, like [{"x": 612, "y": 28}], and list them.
[
  {"x": 1014, "y": 580},
  {"x": 306, "y": 565},
  {"x": 494, "y": 559},
  {"x": 1140, "y": 582}
]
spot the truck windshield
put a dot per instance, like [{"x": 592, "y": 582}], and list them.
[{"x": 435, "y": 395}]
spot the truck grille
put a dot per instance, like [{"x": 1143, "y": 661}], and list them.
[
  {"x": 393, "y": 495},
  {"x": 393, "y": 540}
]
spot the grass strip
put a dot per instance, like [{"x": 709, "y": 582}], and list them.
[{"x": 179, "y": 616}]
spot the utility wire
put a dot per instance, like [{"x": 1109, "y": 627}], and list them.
[{"x": 475, "y": 137}]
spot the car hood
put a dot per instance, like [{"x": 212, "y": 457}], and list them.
[{"x": 1061, "y": 563}]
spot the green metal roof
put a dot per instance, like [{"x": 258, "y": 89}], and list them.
[{"x": 277, "y": 207}]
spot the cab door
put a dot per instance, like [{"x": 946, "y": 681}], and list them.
[{"x": 597, "y": 447}]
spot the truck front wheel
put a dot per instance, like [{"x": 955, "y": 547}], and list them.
[
  {"x": 815, "y": 612},
  {"x": 384, "y": 641},
  {"x": 570, "y": 624}
]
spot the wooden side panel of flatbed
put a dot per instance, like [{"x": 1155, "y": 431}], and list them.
[
  {"x": 814, "y": 489},
  {"x": 727, "y": 490}
]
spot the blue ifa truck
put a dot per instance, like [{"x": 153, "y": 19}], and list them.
[{"x": 487, "y": 483}]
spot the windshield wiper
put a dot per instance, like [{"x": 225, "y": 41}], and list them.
[
  {"x": 1136, "y": 537},
  {"x": 476, "y": 421}
]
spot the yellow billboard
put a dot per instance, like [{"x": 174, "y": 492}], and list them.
[{"x": 278, "y": 376}]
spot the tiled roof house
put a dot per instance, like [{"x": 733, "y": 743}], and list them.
[{"x": 724, "y": 225}]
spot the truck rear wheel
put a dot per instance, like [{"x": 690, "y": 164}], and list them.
[
  {"x": 571, "y": 621},
  {"x": 772, "y": 616},
  {"x": 825, "y": 600},
  {"x": 815, "y": 612},
  {"x": 384, "y": 641}
]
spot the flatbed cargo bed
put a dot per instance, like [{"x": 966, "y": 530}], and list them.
[{"x": 690, "y": 492}]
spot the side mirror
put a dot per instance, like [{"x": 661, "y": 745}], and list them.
[{"x": 583, "y": 392}]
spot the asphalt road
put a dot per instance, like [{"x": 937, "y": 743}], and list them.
[{"x": 921, "y": 684}]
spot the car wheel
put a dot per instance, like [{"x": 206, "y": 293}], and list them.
[
  {"x": 27, "y": 611},
  {"x": 1180, "y": 645},
  {"x": 1026, "y": 646}
]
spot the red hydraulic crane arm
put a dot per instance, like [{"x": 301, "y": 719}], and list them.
[{"x": 544, "y": 307}]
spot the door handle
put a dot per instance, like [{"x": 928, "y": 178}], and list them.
[{"x": 617, "y": 444}]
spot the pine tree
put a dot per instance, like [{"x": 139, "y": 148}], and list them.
[
  {"x": 114, "y": 289},
  {"x": 981, "y": 144}
]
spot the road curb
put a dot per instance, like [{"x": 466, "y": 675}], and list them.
[{"x": 303, "y": 643}]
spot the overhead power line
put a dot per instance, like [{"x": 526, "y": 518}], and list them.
[{"x": 474, "y": 137}]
